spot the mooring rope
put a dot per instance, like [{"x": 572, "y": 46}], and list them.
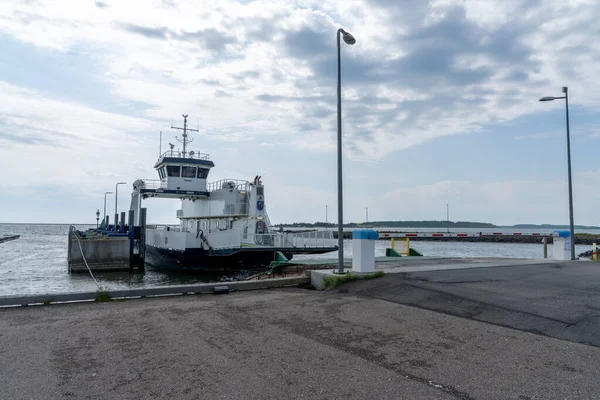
[{"x": 85, "y": 261}]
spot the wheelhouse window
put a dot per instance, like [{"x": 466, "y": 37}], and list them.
[
  {"x": 173, "y": 170},
  {"x": 161, "y": 173},
  {"x": 188, "y": 172},
  {"x": 202, "y": 173}
]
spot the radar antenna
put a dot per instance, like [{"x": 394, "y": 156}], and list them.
[{"x": 185, "y": 141}]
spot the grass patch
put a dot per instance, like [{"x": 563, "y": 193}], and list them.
[
  {"x": 102, "y": 297},
  {"x": 333, "y": 281}
]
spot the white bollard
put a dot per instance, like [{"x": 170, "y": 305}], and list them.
[
  {"x": 363, "y": 250},
  {"x": 561, "y": 245}
]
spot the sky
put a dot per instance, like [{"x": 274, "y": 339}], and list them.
[{"x": 439, "y": 105}]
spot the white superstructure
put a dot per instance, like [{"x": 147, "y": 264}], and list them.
[{"x": 224, "y": 217}]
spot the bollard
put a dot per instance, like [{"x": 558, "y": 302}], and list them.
[
  {"x": 122, "y": 227},
  {"x": 363, "y": 250},
  {"x": 561, "y": 244},
  {"x": 594, "y": 253},
  {"x": 545, "y": 242}
]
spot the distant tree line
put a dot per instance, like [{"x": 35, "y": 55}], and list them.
[
  {"x": 394, "y": 224},
  {"x": 428, "y": 224}
]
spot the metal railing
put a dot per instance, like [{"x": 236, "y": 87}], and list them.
[
  {"x": 228, "y": 184},
  {"x": 312, "y": 239},
  {"x": 191, "y": 155},
  {"x": 150, "y": 184},
  {"x": 174, "y": 228},
  {"x": 289, "y": 240}
]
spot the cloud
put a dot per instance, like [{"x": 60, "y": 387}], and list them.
[
  {"x": 420, "y": 70},
  {"x": 265, "y": 73},
  {"x": 76, "y": 146},
  {"x": 211, "y": 38}
]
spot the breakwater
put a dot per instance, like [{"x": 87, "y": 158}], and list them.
[
  {"x": 579, "y": 239},
  {"x": 8, "y": 238}
]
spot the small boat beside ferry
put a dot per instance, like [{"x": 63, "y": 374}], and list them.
[{"x": 223, "y": 225}]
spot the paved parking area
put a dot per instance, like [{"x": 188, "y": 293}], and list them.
[{"x": 282, "y": 344}]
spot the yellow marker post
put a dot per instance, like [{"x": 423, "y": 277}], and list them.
[
  {"x": 594, "y": 253},
  {"x": 408, "y": 246},
  {"x": 393, "y": 248}
]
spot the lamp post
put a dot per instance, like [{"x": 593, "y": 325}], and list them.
[
  {"x": 105, "y": 204},
  {"x": 116, "y": 199},
  {"x": 565, "y": 90},
  {"x": 447, "y": 218},
  {"x": 349, "y": 39}
]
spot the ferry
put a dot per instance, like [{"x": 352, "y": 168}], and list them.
[{"x": 223, "y": 225}]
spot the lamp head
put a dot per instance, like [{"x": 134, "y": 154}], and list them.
[
  {"x": 547, "y": 99},
  {"x": 565, "y": 89},
  {"x": 348, "y": 38}
]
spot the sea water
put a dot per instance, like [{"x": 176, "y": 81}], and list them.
[{"x": 36, "y": 263}]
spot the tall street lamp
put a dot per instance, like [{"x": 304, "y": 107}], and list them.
[
  {"x": 117, "y": 198},
  {"x": 105, "y": 204},
  {"x": 565, "y": 90},
  {"x": 349, "y": 39}
]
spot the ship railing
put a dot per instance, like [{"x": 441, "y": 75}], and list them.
[
  {"x": 228, "y": 183},
  {"x": 191, "y": 155},
  {"x": 311, "y": 239},
  {"x": 151, "y": 184},
  {"x": 316, "y": 239},
  {"x": 174, "y": 228}
]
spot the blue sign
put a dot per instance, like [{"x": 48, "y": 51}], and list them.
[{"x": 260, "y": 205}]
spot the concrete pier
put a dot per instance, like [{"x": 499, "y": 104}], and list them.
[
  {"x": 357, "y": 342},
  {"x": 101, "y": 253},
  {"x": 398, "y": 265},
  {"x": 116, "y": 248}
]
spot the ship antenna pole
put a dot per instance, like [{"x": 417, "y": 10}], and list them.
[
  {"x": 184, "y": 133},
  {"x": 185, "y": 139}
]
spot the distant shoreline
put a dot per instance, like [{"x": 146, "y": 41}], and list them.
[{"x": 441, "y": 225}]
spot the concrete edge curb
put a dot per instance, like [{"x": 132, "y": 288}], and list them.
[{"x": 205, "y": 288}]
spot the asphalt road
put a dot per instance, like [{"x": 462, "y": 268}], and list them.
[
  {"x": 280, "y": 344},
  {"x": 560, "y": 300}
]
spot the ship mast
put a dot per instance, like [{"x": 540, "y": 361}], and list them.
[{"x": 185, "y": 139}]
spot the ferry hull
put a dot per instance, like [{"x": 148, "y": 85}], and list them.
[{"x": 199, "y": 260}]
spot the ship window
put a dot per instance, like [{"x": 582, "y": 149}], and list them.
[
  {"x": 173, "y": 170},
  {"x": 164, "y": 172},
  {"x": 260, "y": 191},
  {"x": 188, "y": 172},
  {"x": 202, "y": 173},
  {"x": 161, "y": 173}
]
